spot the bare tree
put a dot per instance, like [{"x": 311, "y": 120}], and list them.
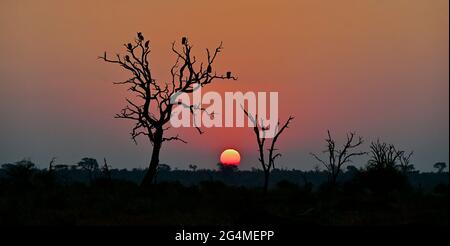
[
  {"x": 269, "y": 163},
  {"x": 51, "y": 165},
  {"x": 384, "y": 156},
  {"x": 339, "y": 157},
  {"x": 405, "y": 165},
  {"x": 106, "y": 170},
  {"x": 153, "y": 110}
]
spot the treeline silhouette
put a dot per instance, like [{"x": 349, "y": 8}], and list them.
[
  {"x": 88, "y": 171},
  {"x": 93, "y": 193}
]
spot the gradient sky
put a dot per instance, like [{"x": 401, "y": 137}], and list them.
[{"x": 378, "y": 67}]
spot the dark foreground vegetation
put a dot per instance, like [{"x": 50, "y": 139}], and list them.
[{"x": 84, "y": 196}]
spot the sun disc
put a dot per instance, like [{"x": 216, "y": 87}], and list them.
[{"x": 230, "y": 157}]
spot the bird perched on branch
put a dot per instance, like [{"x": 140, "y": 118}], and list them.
[{"x": 140, "y": 36}]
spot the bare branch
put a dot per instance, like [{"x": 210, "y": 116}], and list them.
[
  {"x": 338, "y": 157},
  {"x": 174, "y": 138},
  {"x": 153, "y": 109}
]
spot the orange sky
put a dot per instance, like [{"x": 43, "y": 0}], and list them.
[{"x": 378, "y": 67}]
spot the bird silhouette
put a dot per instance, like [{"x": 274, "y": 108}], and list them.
[
  {"x": 228, "y": 75},
  {"x": 140, "y": 36}
]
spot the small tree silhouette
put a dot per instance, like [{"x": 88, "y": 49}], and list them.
[
  {"x": 339, "y": 157},
  {"x": 164, "y": 168},
  {"x": 386, "y": 170},
  {"x": 405, "y": 163},
  {"x": 51, "y": 165},
  {"x": 154, "y": 110},
  {"x": 106, "y": 170},
  {"x": 384, "y": 156},
  {"x": 227, "y": 168},
  {"x": 21, "y": 172},
  {"x": 352, "y": 169},
  {"x": 440, "y": 166},
  {"x": 193, "y": 167},
  {"x": 268, "y": 164},
  {"x": 90, "y": 165}
]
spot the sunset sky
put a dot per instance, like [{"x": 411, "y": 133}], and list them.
[{"x": 377, "y": 67}]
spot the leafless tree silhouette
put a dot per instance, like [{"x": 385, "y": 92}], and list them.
[
  {"x": 339, "y": 157},
  {"x": 106, "y": 170},
  {"x": 384, "y": 156},
  {"x": 51, "y": 164},
  {"x": 153, "y": 111},
  {"x": 405, "y": 163},
  {"x": 269, "y": 163}
]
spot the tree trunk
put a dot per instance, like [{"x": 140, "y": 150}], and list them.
[
  {"x": 154, "y": 162},
  {"x": 266, "y": 181}
]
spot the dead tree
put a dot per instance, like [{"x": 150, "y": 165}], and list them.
[
  {"x": 51, "y": 165},
  {"x": 106, "y": 170},
  {"x": 387, "y": 156},
  {"x": 152, "y": 109},
  {"x": 384, "y": 156},
  {"x": 405, "y": 163},
  {"x": 269, "y": 163},
  {"x": 339, "y": 157}
]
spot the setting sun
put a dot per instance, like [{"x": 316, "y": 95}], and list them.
[{"x": 230, "y": 157}]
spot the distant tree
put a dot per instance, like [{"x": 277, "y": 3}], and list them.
[
  {"x": 55, "y": 167},
  {"x": 193, "y": 167},
  {"x": 384, "y": 156},
  {"x": 269, "y": 163},
  {"x": 386, "y": 169},
  {"x": 254, "y": 169},
  {"x": 51, "y": 164},
  {"x": 440, "y": 166},
  {"x": 405, "y": 163},
  {"x": 307, "y": 185},
  {"x": 164, "y": 168},
  {"x": 20, "y": 172},
  {"x": 337, "y": 158},
  {"x": 48, "y": 177},
  {"x": 352, "y": 169},
  {"x": 317, "y": 168},
  {"x": 61, "y": 167},
  {"x": 90, "y": 165},
  {"x": 152, "y": 111},
  {"x": 106, "y": 170},
  {"x": 227, "y": 168}
]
